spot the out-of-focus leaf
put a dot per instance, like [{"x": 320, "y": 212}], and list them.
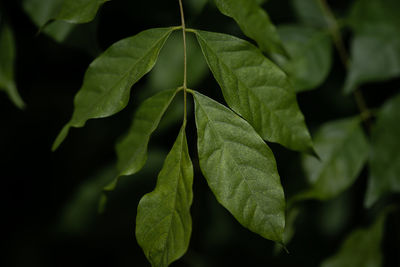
[
  {"x": 362, "y": 247},
  {"x": 109, "y": 78},
  {"x": 257, "y": 89},
  {"x": 343, "y": 149},
  {"x": 254, "y": 22},
  {"x": 385, "y": 153},
  {"x": 168, "y": 73},
  {"x": 72, "y": 11},
  {"x": 309, "y": 13},
  {"x": 375, "y": 49},
  {"x": 132, "y": 149},
  {"x": 163, "y": 223},
  {"x": 240, "y": 169},
  {"x": 81, "y": 210},
  {"x": 79, "y": 11},
  {"x": 7, "y": 58},
  {"x": 310, "y": 56},
  {"x": 195, "y": 6}
]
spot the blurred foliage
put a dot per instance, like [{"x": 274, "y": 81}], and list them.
[{"x": 51, "y": 199}]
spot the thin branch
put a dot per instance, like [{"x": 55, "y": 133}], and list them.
[
  {"x": 344, "y": 57},
  {"x": 184, "y": 57}
]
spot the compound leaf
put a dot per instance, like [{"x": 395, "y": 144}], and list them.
[
  {"x": 377, "y": 39},
  {"x": 310, "y": 54},
  {"x": 7, "y": 58},
  {"x": 163, "y": 223},
  {"x": 385, "y": 153},
  {"x": 257, "y": 89},
  {"x": 240, "y": 169},
  {"x": 107, "y": 82},
  {"x": 343, "y": 149},
  {"x": 362, "y": 247},
  {"x": 254, "y": 22},
  {"x": 132, "y": 149}
]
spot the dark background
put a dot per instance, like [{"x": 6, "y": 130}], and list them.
[{"x": 42, "y": 190}]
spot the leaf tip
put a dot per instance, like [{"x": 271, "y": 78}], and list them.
[{"x": 60, "y": 138}]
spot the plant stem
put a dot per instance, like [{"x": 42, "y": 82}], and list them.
[
  {"x": 344, "y": 57},
  {"x": 184, "y": 59}
]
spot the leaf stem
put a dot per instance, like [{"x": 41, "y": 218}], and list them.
[
  {"x": 334, "y": 30},
  {"x": 184, "y": 59}
]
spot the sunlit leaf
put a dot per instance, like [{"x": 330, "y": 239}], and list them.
[
  {"x": 163, "y": 223},
  {"x": 240, "y": 169},
  {"x": 343, "y": 149},
  {"x": 362, "y": 247},
  {"x": 132, "y": 149},
  {"x": 310, "y": 56},
  {"x": 109, "y": 78},
  {"x": 254, "y": 22},
  {"x": 7, "y": 58},
  {"x": 257, "y": 89},
  {"x": 310, "y": 13},
  {"x": 385, "y": 153},
  {"x": 376, "y": 26}
]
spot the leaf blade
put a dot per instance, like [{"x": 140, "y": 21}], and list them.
[
  {"x": 132, "y": 149},
  {"x": 361, "y": 247},
  {"x": 79, "y": 11},
  {"x": 343, "y": 149},
  {"x": 7, "y": 61},
  {"x": 257, "y": 89},
  {"x": 240, "y": 169},
  {"x": 106, "y": 86},
  {"x": 384, "y": 159},
  {"x": 310, "y": 54},
  {"x": 163, "y": 223},
  {"x": 254, "y": 22}
]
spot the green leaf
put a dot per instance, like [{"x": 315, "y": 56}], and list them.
[
  {"x": 257, "y": 89},
  {"x": 362, "y": 247},
  {"x": 7, "y": 58},
  {"x": 109, "y": 78},
  {"x": 254, "y": 22},
  {"x": 385, "y": 153},
  {"x": 310, "y": 54},
  {"x": 343, "y": 149},
  {"x": 377, "y": 39},
  {"x": 79, "y": 11},
  {"x": 240, "y": 169},
  {"x": 132, "y": 149},
  {"x": 163, "y": 223},
  {"x": 310, "y": 13},
  {"x": 72, "y": 11}
]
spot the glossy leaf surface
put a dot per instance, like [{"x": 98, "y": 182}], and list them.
[
  {"x": 385, "y": 153},
  {"x": 132, "y": 149},
  {"x": 310, "y": 56},
  {"x": 254, "y": 22},
  {"x": 109, "y": 78},
  {"x": 163, "y": 223},
  {"x": 240, "y": 168},
  {"x": 343, "y": 149},
  {"x": 257, "y": 89},
  {"x": 362, "y": 247},
  {"x": 377, "y": 39},
  {"x": 7, "y": 58}
]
